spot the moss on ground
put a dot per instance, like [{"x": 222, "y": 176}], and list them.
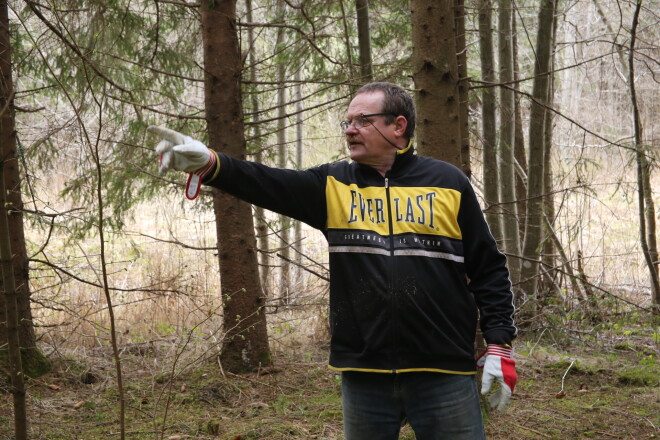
[{"x": 599, "y": 396}]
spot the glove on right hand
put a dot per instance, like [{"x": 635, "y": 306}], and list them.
[{"x": 183, "y": 153}]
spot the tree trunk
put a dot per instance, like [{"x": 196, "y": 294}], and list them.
[
  {"x": 12, "y": 349},
  {"x": 11, "y": 316},
  {"x": 507, "y": 141},
  {"x": 463, "y": 87},
  {"x": 435, "y": 73},
  {"x": 260, "y": 214},
  {"x": 364, "y": 40},
  {"x": 550, "y": 288},
  {"x": 347, "y": 44},
  {"x": 534, "y": 218},
  {"x": 299, "y": 165},
  {"x": 285, "y": 251},
  {"x": 33, "y": 362},
  {"x": 621, "y": 49},
  {"x": 645, "y": 198},
  {"x": 488, "y": 121},
  {"x": 519, "y": 147},
  {"x": 245, "y": 345}
]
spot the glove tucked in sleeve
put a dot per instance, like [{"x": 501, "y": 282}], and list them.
[{"x": 498, "y": 364}]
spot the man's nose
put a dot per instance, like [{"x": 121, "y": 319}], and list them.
[{"x": 351, "y": 128}]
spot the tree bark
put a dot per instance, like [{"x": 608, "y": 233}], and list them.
[
  {"x": 10, "y": 319},
  {"x": 260, "y": 215},
  {"x": 645, "y": 198},
  {"x": 463, "y": 87},
  {"x": 299, "y": 165},
  {"x": 488, "y": 121},
  {"x": 550, "y": 288},
  {"x": 534, "y": 219},
  {"x": 435, "y": 73},
  {"x": 364, "y": 40},
  {"x": 285, "y": 250},
  {"x": 507, "y": 141},
  {"x": 519, "y": 147},
  {"x": 33, "y": 362},
  {"x": 245, "y": 345}
]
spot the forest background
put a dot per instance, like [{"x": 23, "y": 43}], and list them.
[{"x": 133, "y": 312}]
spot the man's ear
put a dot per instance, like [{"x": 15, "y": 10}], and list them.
[{"x": 400, "y": 125}]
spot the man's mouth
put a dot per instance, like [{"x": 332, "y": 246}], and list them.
[{"x": 353, "y": 143}]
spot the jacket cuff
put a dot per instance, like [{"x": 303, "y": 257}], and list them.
[
  {"x": 498, "y": 337},
  {"x": 212, "y": 175}
]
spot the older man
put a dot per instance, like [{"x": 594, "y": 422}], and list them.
[{"x": 412, "y": 266}]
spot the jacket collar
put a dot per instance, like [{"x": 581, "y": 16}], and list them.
[{"x": 402, "y": 157}]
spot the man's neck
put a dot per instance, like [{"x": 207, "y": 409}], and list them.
[{"x": 386, "y": 165}]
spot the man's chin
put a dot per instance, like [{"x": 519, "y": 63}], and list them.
[
  {"x": 355, "y": 152},
  {"x": 355, "y": 156}
]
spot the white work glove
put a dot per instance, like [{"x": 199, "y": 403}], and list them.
[
  {"x": 183, "y": 153},
  {"x": 498, "y": 364}
]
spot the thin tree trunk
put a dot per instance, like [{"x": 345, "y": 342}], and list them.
[
  {"x": 364, "y": 40},
  {"x": 463, "y": 87},
  {"x": 260, "y": 214},
  {"x": 285, "y": 250},
  {"x": 645, "y": 199},
  {"x": 621, "y": 50},
  {"x": 565, "y": 262},
  {"x": 650, "y": 216},
  {"x": 507, "y": 140},
  {"x": 534, "y": 218},
  {"x": 347, "y": 44},
  {"x": 519, "y": 147},
  {"x": 299, "y": 165},
  {"x": 435, "y": 73},
  {"x": 550, "y": 289},
  {"x": 488, "y": 121},
  {"x": 246, "y": 340}
]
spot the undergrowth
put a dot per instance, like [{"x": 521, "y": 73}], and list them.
[{"x": 600, "y": 384}]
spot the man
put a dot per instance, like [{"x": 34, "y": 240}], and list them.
[{"x": 412, "y": 264}]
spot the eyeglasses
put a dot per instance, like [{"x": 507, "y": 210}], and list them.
[{"x": 361, "y": 120}]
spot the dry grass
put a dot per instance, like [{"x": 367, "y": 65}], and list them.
[{"x": 176, "y": 390}]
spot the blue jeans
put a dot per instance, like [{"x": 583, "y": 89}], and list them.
[{"x": 437, "y": 406}]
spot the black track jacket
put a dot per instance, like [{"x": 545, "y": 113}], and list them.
[{"x": 411, "y": 258}]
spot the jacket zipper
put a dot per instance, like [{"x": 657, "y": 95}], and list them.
[{"x": 393, "y": 314}]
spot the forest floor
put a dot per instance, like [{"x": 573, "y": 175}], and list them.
[{"x": 579, "y": 388}]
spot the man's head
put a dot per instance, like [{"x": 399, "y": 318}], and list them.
[
  {"x": 396, "y": 101},
  {"x": 379, "y": 121}
]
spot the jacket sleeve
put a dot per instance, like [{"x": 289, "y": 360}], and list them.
[
  {"x": 487, "y": 272},
  {"x": 293, "y": 193}
]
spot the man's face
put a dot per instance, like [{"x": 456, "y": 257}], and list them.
[{"x": 365, "y": 144}]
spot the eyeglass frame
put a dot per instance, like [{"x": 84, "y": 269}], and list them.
[{"x": 344, "y": 125}]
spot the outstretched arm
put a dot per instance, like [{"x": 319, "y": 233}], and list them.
[{"x": 296, "y": 194}]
